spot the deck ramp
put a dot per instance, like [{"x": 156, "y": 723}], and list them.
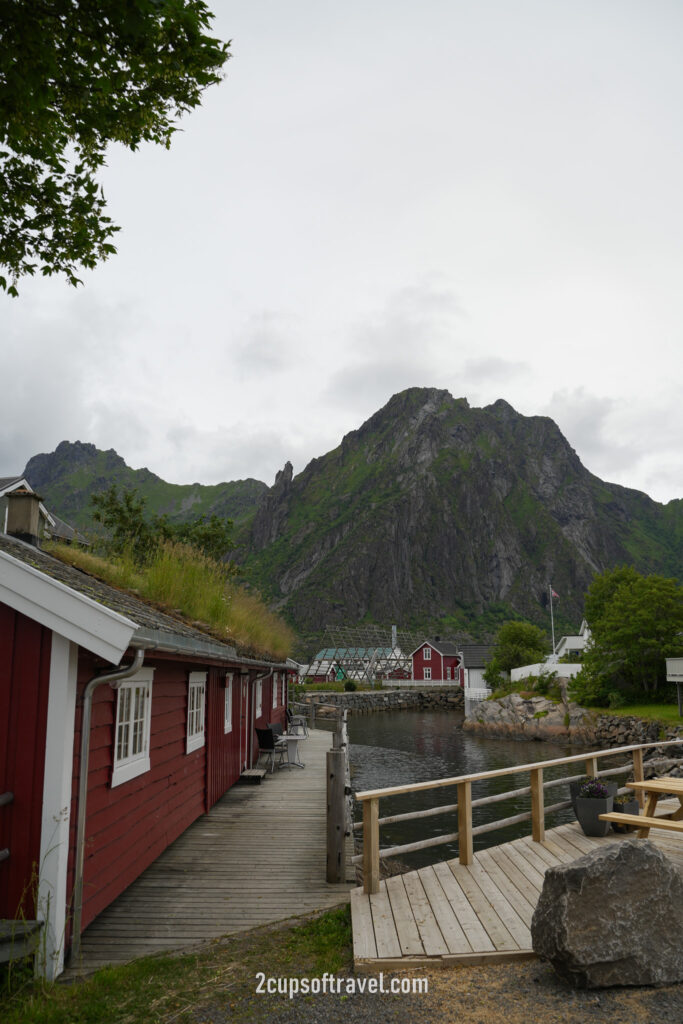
[{"x": 450, "y": 914}]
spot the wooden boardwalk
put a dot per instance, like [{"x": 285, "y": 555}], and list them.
[
  {"x": 258, "y": 856},
  {"x": 446, "y": 913}
]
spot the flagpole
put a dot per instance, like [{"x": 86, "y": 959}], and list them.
[{"x": 552, "y": 620}]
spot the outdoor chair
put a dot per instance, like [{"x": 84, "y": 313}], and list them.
[
  {"x": 296, "y": 724},
  {"x": 267, "y": 744},
  {"x": 276, "y": 729}
]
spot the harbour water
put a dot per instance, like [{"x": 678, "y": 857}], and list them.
[{"x": 393, "y": 748}]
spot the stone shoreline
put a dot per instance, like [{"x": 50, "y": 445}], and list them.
[
  {"x": 363, "y": 702},
  {"x": 511, "y": 717},
  {"x": 538, "y": 718}
]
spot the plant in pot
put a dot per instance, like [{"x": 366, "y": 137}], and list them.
[
  {"x": 574, "y": 787},
  {"x": 592, "y": 801},
  {"x": 625, "y": 804}
]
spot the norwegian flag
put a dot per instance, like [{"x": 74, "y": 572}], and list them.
[{"x": 553, "y": 593}]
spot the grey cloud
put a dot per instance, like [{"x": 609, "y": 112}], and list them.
[
  {"x": 489, "y": 369},
  {"x": 622, "y": 440}
]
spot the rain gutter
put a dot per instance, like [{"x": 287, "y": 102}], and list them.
[{"x": 86, "y": 721}]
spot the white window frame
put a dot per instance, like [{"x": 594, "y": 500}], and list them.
[
  {"x": 196, "y": 711},
  {"x": 276, "y": 683},
  {"x": 427, "y": 654},
  {"x": 258, "y": 699},
  {"x": 227, "y": 713},
  {"x": 448, "y": 672},
  {"x": 428, "y": 672},
  {"x": 134, "y": 758}
]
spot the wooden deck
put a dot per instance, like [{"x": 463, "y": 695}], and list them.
[
  {"x": 258, "y": 856},
  {"x": 446, "y": 913}
]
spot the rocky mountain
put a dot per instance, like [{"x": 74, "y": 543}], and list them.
[
  {"x": 435, "y": 513},
  {"x": 432, "y": 515},
  {"x": 67, "y": 477}
]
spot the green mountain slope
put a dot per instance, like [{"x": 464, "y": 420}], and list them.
[
  {"x": 434, "y": 512},
  {"x": 67, "y": 477}
]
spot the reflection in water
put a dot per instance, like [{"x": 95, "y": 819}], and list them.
[{"x": 392, "y": 748}]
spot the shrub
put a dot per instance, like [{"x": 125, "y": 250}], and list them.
[{"x": 350, "y": 685}]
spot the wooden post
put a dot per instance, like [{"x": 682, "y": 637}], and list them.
[
  {"x": 371, "y": 845},
  {"x": 638, "y": 775},
  {"x": 336, "y": 832},
  {"x": 592, "y": 766},
  {"x": 537, "y": 808},
  {"x": 465, "y": 842}
]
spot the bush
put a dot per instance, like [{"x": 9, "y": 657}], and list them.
[
  {"x": 589, "y": 690},
  {"x": 349, "y": 685}
]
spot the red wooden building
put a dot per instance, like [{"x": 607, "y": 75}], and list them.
[
  {"x": 436, "y": 661},
  {"x": 169, "y": 714}
]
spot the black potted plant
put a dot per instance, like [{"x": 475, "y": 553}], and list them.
[
  {"x": 592, "y": 801},
  {"x": 612, "y": 788},
  {"x": 627, "y": 803}
]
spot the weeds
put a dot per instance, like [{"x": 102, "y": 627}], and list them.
[
  {"x": 168, "y": 989},
  {"x": 181, "y": 579}
]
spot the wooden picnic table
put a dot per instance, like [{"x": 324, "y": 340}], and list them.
[{"x": 653, "y": 790}]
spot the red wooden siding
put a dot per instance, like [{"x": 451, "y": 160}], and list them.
[
  {"x": 268, "y": 712},
  {"x": 25, "y": 648},
  {"x": 223, "y": 749},
  {"x": 439, "y": 663},
  {"x": 129, "y": 826}
]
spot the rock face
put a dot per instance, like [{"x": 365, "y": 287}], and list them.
[
  {"x": 436, "y": 510},
  {"x": 613, "y": 917},
  {"x": 530, "y": 718}
]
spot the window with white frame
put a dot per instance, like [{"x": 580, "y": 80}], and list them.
[
  {"x": 428, "y": 672},
  {"x": 133, "y": 722},
  {"x": 427, "y": 653},
  {"x": 259, "y": 698},
  {"x": 196, "y": 692},
  {"x": 448, "y": 672},
  {"x": 276, "y": 683},
  {"x": 227, "y": 718}
]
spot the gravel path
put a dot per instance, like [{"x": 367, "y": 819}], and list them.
[{"x": 523, "y": 993}]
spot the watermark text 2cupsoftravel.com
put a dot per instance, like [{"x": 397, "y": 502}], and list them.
[{"x": 332, "y": 985}]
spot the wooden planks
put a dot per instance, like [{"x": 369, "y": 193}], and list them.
[
  {"x": 451, "y": 913},
  {"x": 258, "y": 856}
]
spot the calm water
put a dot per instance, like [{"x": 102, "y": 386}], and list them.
[{"x": 393, "y": 748}]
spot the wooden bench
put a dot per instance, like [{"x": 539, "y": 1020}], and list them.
[{"x": 642, "y": 822}]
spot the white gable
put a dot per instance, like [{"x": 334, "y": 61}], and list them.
[{"x": 74, "y": 616}]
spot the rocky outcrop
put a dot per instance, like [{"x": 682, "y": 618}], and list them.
[
  {"x": 433, "y": 508},
  {"x": 612, "y": 917},
  {"x": 530, "y": 718}
]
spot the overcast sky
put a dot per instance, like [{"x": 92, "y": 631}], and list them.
[{"x": 480, "y": 196}]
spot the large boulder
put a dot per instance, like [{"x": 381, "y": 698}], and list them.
[{"x": 613, "y": 917}]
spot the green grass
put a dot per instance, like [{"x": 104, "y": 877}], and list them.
[
  {"x": 165, "y": 989},
  {"x": 667, "y": 713},
  {"x": 182, "y": 580}
]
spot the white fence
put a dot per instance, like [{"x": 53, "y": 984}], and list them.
[{"x": 568, "y": 671}]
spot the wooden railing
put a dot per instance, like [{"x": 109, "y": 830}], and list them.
[{"x": 370, "y": 858}]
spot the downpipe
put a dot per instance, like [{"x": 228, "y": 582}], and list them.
[{"x": 107, "y": 677}]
